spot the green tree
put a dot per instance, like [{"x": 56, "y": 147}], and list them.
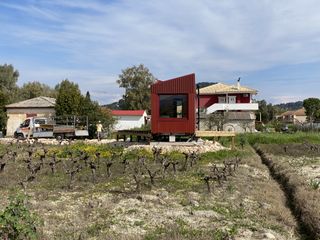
[
  {"x": 312, "y": 107},
  {"x": 3, "y": 115},
  {"x": 68, "y": 99},
  {"x": 95, "y": 113},
  {"x": 35, "y": 89},
  {"x": 267, "y": 111},
  {"x": 8, "y": 90},
  {"x": 8, "y": 81},
  {"x": 136, "y": 81}
]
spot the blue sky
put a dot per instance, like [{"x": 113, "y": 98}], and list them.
[{"x": 273, "y": 45}]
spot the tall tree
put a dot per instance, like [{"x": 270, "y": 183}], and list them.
[
  {"x": 70, "y": 101},
  {"x": 136, "y": 81},
  {"x": 312, "y": 107},
  {"x": 3, "y": 115},
  {"x": 8, "y": 89},
  {"x": 68, "y": 98},
  {"x": 35, "y": 89},
  {"x": 266, "y": 111},
  {"x": 8, "y": 81}
]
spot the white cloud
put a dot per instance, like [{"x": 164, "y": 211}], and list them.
[{"x": 215, "y": 39}]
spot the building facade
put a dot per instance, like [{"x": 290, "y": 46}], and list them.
[
  {"x": 173, "y": 106},
  {"x": 232, "y": 105},
  {"x": 129, "y": 119},
  {"x": 18, "y": 112}
]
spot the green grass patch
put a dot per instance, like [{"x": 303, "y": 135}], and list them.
[
  {"x": 219, "y": 156},
  {"x": 279, "y": 138}
]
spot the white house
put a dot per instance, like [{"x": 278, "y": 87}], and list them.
[{"x": 128, "y": 119}]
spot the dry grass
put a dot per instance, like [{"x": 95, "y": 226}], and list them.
[{"x": 304, "y": 200}]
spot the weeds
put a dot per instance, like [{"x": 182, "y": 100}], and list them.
[{"x": 17, "y": 222}]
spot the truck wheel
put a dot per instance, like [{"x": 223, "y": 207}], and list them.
[
  {"x": 18, "y": 136},
  {"x": 60, "y": 137}
]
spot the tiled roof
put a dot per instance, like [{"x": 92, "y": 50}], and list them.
[
  {"x": 127, "y": 112},
  {"x": 299, "y": 112},
  {"x": 221, "y": 88},
  {"x": 38, "y": 102}
]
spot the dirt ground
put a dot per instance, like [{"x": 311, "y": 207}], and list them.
[{"x": 249, "y": 204}]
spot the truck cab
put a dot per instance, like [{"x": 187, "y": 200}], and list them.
[{"x": 29, "y": 126}]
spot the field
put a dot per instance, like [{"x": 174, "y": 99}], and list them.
[{"x": 82, "y": 191}]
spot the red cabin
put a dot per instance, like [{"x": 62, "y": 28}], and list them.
[{"x": 173, "y": 106}]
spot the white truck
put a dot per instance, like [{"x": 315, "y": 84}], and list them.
[{"x": 53, "y": 127}]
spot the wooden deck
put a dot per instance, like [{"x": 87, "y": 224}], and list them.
[{"x": 215, "y": 134}]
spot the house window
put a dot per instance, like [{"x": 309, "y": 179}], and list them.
[
  {"x": 173, "y": 106},
  {"x": 222, "y": 99}
]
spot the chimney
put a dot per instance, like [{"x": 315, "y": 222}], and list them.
[{"x": 238, "y": 84}]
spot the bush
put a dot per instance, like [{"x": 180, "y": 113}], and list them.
[{"x": 17, "y": 222}]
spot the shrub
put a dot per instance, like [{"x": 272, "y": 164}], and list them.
[{"x": 17, "y": 222}]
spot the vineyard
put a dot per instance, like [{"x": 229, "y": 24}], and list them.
[{"x": 82, "y": 191}]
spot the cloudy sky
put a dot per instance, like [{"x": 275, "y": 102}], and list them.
[{"x": 273, "y": 45}]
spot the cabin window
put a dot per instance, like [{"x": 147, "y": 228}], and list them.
[{"x": 173, "y": 106}]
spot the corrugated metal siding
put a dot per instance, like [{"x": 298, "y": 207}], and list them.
[
  {"x": 180, "y": 85},
  {"x": 185, "y": 84}
]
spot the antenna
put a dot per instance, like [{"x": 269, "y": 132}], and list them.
[{"x": 238, "y": 84}]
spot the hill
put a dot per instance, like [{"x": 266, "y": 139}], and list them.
[{"x": 290, "y": 106}]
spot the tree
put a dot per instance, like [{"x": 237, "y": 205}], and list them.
[
  {"x": 8, "y": 77},
  {"x": 8, "y": 81},
  {"x": 3, "y": 115},
  {"x": 70, "y": 101},
  {"x": 216, "y": 120},
  {"x": 8, "y": 89},
  {"x": 267, "y": 111},
  {"x": 35, "y": 89},
  {"x": 312, "y": 108},
  {"x": 136, "y": 81},
  {"x": 95, "y": 113},
  {"x": 68, "y": 98}
]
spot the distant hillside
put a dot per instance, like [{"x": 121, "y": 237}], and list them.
[
  {"x": 290, "y": 106},
  {"x": 112, "y": 106},
  {"x": 205, "y": 84}
]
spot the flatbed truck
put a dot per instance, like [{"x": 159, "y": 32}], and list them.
[{"x": 53, "y": 127}]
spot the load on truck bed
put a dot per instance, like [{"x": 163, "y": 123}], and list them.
[{"x": 53, "y": 127}]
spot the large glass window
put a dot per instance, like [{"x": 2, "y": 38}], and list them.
[{"x": 173, "y": 106}]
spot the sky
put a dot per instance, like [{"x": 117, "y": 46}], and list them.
[{"x": 273, "y": 45}]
